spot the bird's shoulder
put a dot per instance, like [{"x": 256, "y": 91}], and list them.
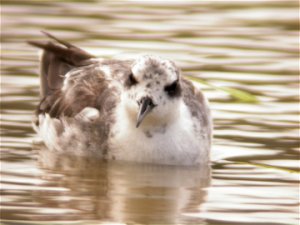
[{"x": 195, "y": 100}]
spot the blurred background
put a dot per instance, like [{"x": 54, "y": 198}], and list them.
[{"x": 245, "y": 57}]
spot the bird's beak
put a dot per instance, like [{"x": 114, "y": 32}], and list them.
[{"x": 146, "y": 105}]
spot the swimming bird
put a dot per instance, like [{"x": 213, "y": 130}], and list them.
[{"x": 140, "y": 110}]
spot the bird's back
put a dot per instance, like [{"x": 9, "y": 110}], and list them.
[{"x": 76, "y": 99}]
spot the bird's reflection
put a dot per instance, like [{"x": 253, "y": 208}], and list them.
[{"x": 92, "y": 189}]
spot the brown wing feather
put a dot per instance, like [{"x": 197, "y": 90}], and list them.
[
  {"x": 195, "y": 101},
  {"x": 87, "y": 87},
  {"x": 58, "y": 58}
]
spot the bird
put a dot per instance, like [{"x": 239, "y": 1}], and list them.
[{"x": 139, "y": 110}]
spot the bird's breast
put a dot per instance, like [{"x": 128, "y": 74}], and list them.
[{"x": 173, "y": 144}]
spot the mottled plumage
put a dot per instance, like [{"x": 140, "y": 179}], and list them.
[{"x": 137, "y": 110}]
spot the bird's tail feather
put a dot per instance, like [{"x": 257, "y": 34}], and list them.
[{"x": 57, "y": 59}]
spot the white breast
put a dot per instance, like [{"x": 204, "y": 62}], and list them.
[{"x": 178, "y": 144}]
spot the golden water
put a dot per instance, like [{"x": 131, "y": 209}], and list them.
[{"x": 244, "y": 54}]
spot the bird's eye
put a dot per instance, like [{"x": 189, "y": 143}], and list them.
[
  {"x": 131, "y": 80},
  {"x": 172, "y": 89}
]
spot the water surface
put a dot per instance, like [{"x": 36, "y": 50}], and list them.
[{"x": 243, "y": 54}]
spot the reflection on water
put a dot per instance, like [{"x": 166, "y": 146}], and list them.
[
  {"x": 122, "y": 191},
  {"x": 245, "y": 57}
]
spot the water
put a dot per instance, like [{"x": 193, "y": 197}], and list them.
[{"x": 246, "y": 56}]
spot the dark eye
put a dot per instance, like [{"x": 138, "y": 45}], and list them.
[
  {"x": 172, "y": 89},
  {"x": 131, "y": 80}
]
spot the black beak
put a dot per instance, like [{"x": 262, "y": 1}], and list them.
[{"x": 146, "y": 105}]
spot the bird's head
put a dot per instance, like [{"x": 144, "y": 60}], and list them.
[{"x": 153, "y": 90}]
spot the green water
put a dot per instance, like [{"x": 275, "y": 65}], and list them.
[{"x": 243, "y": 54}]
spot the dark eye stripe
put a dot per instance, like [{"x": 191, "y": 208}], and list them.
[
  {"x": 131, "y": 80},
  {"x": 173, "y": 89}
]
